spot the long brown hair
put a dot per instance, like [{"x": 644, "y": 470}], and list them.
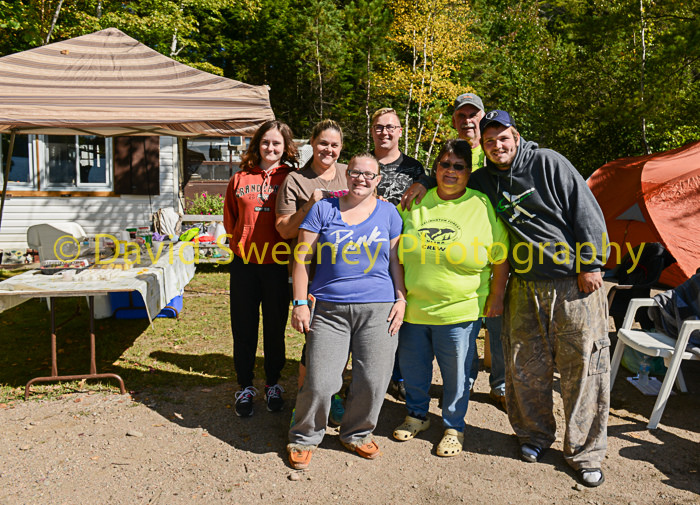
[{"x": 251, "y": 158}]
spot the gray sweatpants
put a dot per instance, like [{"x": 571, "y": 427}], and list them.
[
  {"x": 337, "y": 330},
  {"x": 547, "y": 324}
]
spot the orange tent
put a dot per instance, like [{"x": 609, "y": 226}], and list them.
[{"x": 654, "y": 198}]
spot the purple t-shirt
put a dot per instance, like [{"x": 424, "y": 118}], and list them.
[{"x": 352, "y": 261}]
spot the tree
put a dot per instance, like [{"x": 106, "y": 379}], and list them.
[
  {"x": 19, "y": 27},
  {"x": 368, "y": 22},
  {"x": 432, "y": 40},
  {"x": 322, "y": 51}
]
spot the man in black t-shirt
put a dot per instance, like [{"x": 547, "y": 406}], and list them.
[{"x": 399, "y": 170}]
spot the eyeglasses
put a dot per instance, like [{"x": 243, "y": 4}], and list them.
[
  {"x": 369, "y": 176},
  {"x": 455, "y": 166},
  {"x": 379, "y": 128}
]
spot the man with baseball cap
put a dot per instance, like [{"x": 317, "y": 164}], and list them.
[
  {"x": 468, "y": 111},
  {"x": 555, "y": 310}
]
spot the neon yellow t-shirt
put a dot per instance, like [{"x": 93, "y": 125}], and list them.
[
  {"x": 446, "y": 249},
  {"x": 478, "y": 158}
]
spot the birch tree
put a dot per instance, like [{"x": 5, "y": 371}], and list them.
[
  {"x": 368, "y": 22},
  {"x": 432, "y": 37},
  {"x": 322, "y": 49}
]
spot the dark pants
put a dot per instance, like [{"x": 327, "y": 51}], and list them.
[{"x": 250, "y": 285}]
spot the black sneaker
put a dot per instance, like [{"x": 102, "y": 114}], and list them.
[
  {"x": 273, "y": 398},
  {"x": 531, "y": 453},
  {"x": 244, "y": 401}
]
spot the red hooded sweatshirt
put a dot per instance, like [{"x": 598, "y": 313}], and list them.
[{"x": 249, "y": 215}]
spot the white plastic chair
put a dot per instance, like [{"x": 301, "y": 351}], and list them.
[
  {"x": 50, "y": 239},
  {"x": 656, "y": 344}
]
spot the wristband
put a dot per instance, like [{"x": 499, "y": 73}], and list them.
[
  {"x": 296, "y": 303},
  {"x": 401, "y": 300}
]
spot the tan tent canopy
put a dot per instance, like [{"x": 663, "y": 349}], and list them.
[{"x": 107, "y": 83}]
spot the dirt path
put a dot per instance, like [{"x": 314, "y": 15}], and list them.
[{"x": 187, "y": 446}]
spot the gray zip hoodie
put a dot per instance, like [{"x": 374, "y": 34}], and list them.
[{"x": 556, "y": 225}]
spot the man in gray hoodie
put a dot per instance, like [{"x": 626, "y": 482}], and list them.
[{"x": 555, "y": 310}]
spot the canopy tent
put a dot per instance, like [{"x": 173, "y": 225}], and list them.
[
  {"x": 654, "y": 198},
  {"x": 109, "y": 84}
]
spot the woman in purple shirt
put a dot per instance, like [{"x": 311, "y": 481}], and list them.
[{"x": 360, "y": 303}]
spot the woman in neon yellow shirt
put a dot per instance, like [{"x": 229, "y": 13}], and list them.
[{"x": 454, "y": 251}]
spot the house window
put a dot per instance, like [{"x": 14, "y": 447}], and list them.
[
  {"x": 22, "y": 172},
  {"x": 216, "y": 158},
  {"x": 82, "y": 162}
]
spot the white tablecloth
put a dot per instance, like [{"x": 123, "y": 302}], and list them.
[{"x": 158, "y": 283}]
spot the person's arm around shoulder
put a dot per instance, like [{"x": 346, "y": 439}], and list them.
[
  {"x": 303, "y": 255},
  {"x": 417, "y": 191},
  {"x": 288, "y": 224}
]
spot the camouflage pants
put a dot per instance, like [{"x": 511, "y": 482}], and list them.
[{"x": 547, "y": 324}]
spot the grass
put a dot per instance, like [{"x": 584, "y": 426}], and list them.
[{"x": 193, "y": 350}]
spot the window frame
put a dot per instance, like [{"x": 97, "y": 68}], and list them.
[
  {"x": 43, "y": 167},
  {"x": 33, "y": 183}
]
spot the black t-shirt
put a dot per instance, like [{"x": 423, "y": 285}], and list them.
[{"x": 397, "y": 176}]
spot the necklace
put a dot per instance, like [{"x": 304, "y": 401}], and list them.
[{"x": 323, "y": 182}]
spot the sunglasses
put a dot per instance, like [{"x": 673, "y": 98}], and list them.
[
  {"x": 455, "y": 166},
  {"x": 369, "y": 176}
]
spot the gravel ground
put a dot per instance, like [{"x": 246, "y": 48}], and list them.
[{"x": 187, "y": 446}]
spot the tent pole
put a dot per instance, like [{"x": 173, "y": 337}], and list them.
[
  {"x": 6, "y": 174},
  {"x": 181, "y": 173}
]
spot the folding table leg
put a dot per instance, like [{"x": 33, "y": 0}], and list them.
[{"x": 54, "y": 360}]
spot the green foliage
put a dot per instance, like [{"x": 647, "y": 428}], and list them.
[
  {"x": 206, "y": 204},
  {"x": 432, "y": 40},
  {"x": 368, "y": 22},
  {"x": 574, "y": 73},
  {"x": 19, "y": 27}
]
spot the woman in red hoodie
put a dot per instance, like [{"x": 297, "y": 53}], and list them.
[{"x": 259, "y": 266}]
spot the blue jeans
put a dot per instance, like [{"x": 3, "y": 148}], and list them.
[
  {"x": 497, "y": 378},
  {"x": 454, "y": 346}
]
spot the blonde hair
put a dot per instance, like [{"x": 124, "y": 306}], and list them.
[
  {"x": 382, "y": 111},
  {"x": 365, "y": 155}
]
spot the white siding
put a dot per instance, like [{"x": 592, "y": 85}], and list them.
[{"x": 94, "y": 214}]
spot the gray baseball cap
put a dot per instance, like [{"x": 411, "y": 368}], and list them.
[{"x": 468, "y": 99}]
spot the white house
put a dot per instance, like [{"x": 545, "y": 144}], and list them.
[{"x": 96, "y": 127}]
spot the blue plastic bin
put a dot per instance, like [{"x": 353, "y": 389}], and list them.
[{"x": 130, "y": 305}]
